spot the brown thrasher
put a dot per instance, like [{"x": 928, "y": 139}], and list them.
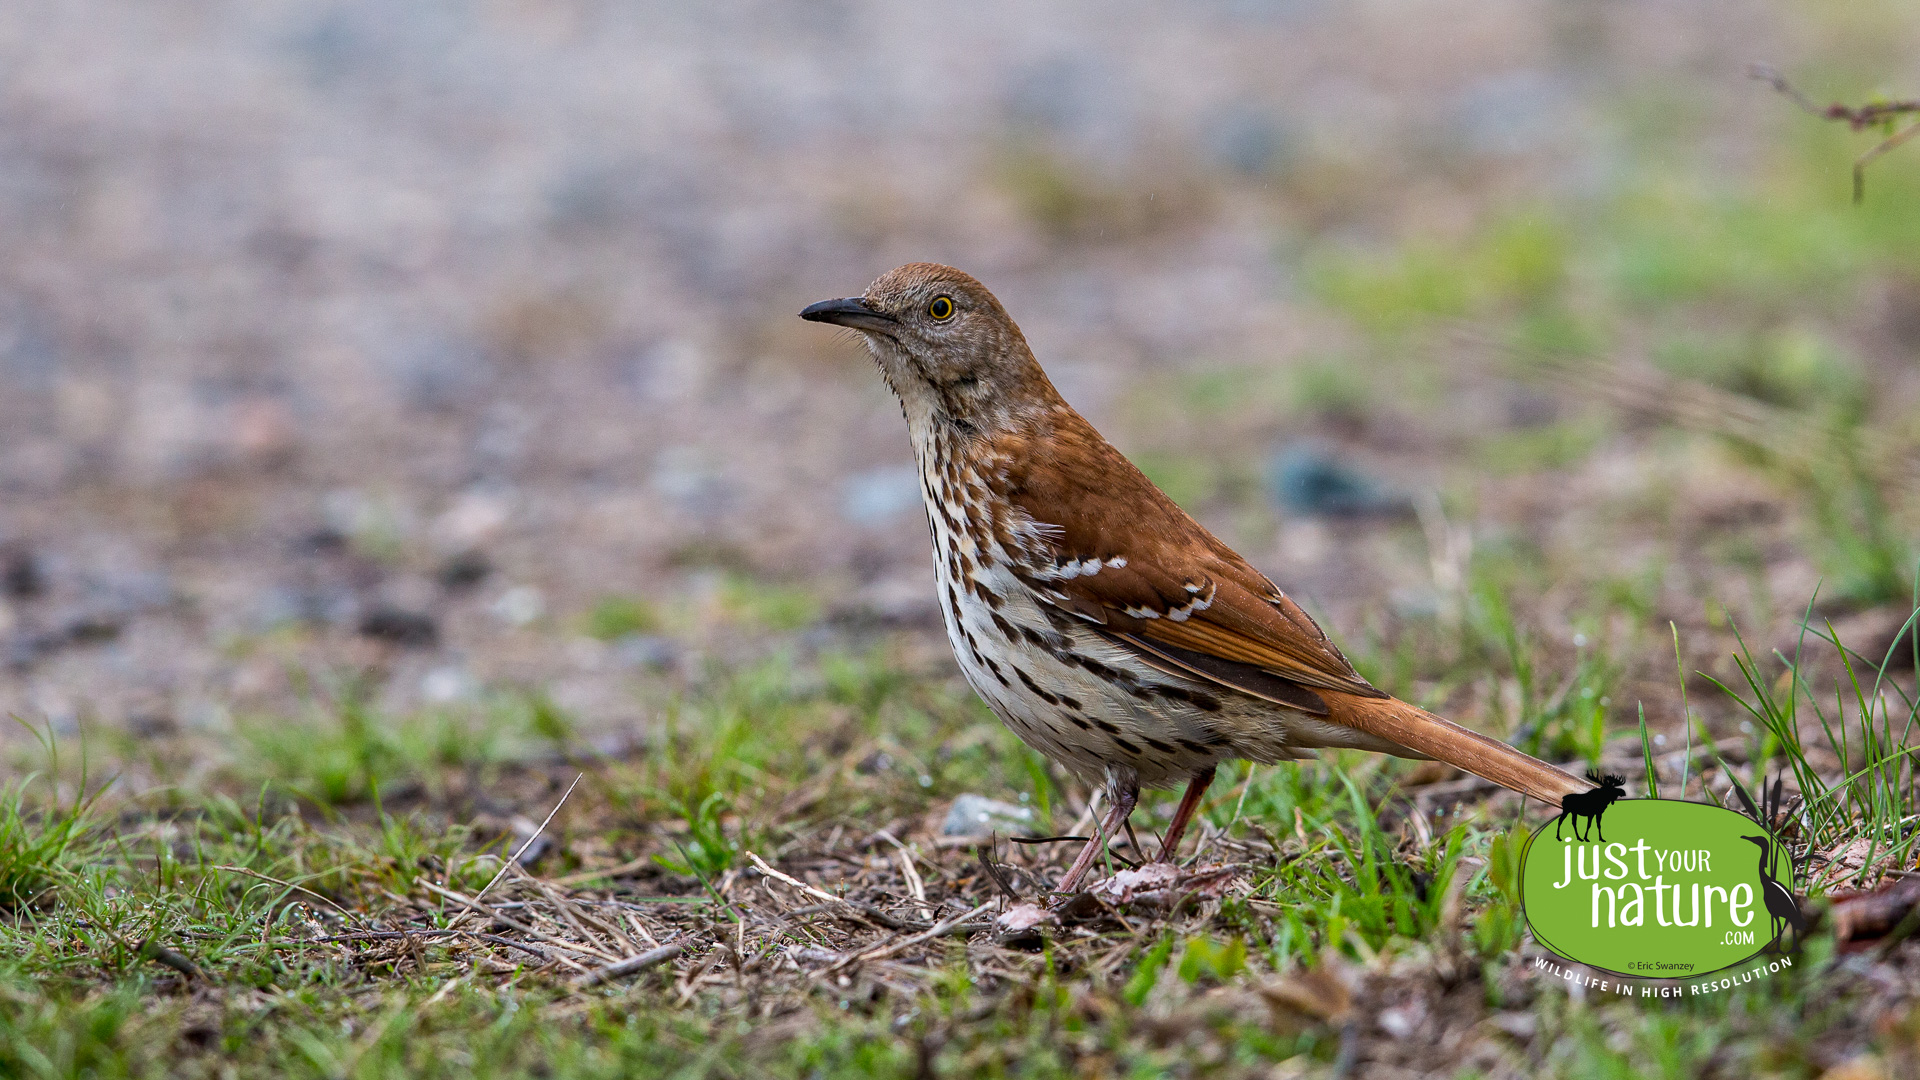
[{"x": 1107, "y": 628}]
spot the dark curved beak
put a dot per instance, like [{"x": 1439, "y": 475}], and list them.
[{"x": 851, "y": 311}]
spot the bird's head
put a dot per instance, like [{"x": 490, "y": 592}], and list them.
[
  {"x": 942, "y": 341},
  {"x": 1761, "y": 840}
]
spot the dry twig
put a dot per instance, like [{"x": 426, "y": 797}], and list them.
[
  {"x": 789, "y": 880},
  {"x": 488, "y": 887},
  {"x": 1858, "y": 117},
  {"x": 632, "y": 965}
]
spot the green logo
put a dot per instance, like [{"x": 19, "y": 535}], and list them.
[{"x": 1655, "y": 888}]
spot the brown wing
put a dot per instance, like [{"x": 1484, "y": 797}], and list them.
[
  {"x": 1203, "y": 668},
  {"x": 1113, "y": 550},
  {"x": 1118, "y": 553}
]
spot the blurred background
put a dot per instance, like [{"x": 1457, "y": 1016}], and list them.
[{"x": 442, "y": 357}]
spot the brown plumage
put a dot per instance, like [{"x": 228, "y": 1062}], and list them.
[{"x": 1102, "y": 623}]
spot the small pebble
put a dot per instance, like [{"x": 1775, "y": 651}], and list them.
[{"x": 409, "y": 629}]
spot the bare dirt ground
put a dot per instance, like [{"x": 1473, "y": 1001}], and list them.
[{"x": 320, "y": 314}]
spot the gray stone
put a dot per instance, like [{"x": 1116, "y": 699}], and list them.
[
  {"x": 977, "y": 815},
  {"x": 650, "y": 651}
]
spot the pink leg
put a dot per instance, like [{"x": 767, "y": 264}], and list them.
[
  {"x": 1124, "y": 794},
  {"x": 1190, "y": 802}
]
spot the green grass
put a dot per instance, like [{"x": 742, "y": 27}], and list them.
[
  {"x": 768, "y": 605},
  {"x": 773, "y": 757},
  {"x": 347, "y": 750},
  {"x": 38, "y": 851},
  {"x": 1550, "y": 446},
  {"x": 1515, "y": 263},
  {"x": 1866, "y": 728},
  {"x": 615, "y": 617},
  {"x": 1187, "y": 479}
]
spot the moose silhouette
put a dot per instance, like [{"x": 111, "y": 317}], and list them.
[{"x": 1590, "y": 804}]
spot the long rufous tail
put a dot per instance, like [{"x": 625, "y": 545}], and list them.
[{"x": 1419, "y": 730}]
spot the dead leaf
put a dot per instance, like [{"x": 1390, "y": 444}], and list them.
[
  {"x": 1164, "y": 885},
  {"x": 1320, "y": 993}
]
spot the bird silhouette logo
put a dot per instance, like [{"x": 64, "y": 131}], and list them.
[
  {"x": 1783, "y": 907},
  {"x": 1589, "y": 805}
]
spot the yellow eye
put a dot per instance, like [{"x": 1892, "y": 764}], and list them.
[{"x": 941, "y": 309}]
